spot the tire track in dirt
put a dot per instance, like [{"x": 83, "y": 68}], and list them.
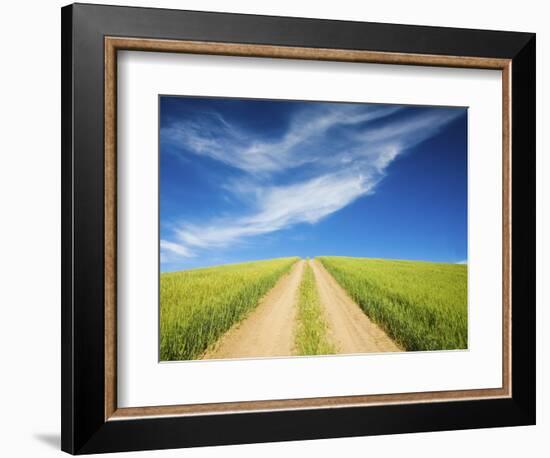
[
  {"x": 269, "y": 329},
  {"x": 350, "y": 329}
]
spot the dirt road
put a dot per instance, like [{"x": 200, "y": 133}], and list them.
[
  {"x": 269, "y": 329},
  {"x": 349, "y": 328}
]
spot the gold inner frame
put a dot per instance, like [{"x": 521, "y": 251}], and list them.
[{"x": 112, "y": 45}]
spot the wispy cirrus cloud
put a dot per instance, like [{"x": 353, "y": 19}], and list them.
[
  {"x": 176, "y": 249},
  {"x": 278, "y": 208},
  {"x": 211, "y": 135},
  {"x": 342, "y": 151}
]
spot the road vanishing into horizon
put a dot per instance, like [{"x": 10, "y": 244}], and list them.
[{"x": 269, "y": 330}]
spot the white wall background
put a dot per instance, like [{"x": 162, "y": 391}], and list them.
[{"x": 30, "y": 227}]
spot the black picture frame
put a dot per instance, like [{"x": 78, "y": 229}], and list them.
[{"x": 84, "y": 428}]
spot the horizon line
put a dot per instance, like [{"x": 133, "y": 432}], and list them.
[{"x": 213, "y": 266}]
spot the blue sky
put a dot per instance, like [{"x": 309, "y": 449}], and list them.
[{"x": 247, "y": 179}]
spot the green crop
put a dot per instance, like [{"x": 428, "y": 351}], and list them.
[
  {"x": 198, "y": 306},
  {"x": 421, "y": 305},
  {"x": 311, "y": 330}
]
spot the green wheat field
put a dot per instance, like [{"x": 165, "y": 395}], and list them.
[
  {"x": 420, "y": 305},
  {"x": 197, "y": 306}
]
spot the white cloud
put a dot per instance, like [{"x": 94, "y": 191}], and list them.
[
  {"x": 343, "y": 166},
  {"x": 209, "y": 134},
  {"x": 278, "y": 208},
  {"x": 168, "y": 247}
]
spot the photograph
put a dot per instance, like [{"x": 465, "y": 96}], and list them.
[
  {"x": 301, "y": 228},
  {"x": 276, "y": 226}
]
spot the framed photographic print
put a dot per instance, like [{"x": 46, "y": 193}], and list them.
[{"x": 282, "y": 228}]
